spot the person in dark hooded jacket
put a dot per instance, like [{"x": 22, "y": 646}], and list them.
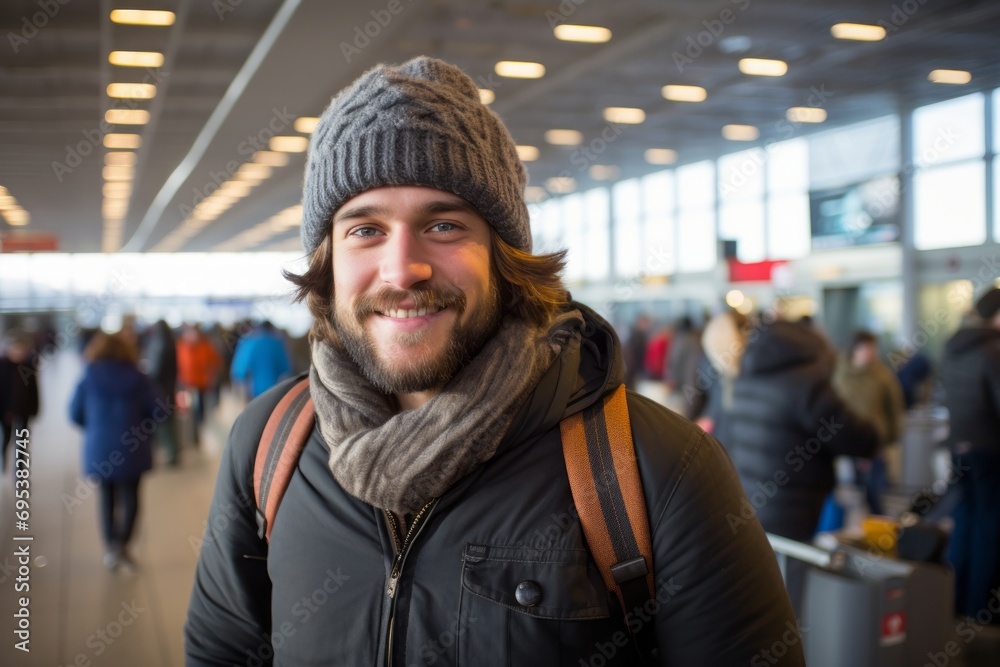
[
  {"x": 970, "y": 376},
  {"x": 116, "y": 405},
  {"x": 429, "y": 519},
  {"x": 18, "y": 388},
  {"x": 785, "y": 426}
]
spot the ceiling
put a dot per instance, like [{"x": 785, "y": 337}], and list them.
[{"x": 234, "y": 70}]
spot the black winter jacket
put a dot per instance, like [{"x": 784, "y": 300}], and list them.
[
  {"x": 318, "y": 594},
  {"x": 18, "y": 389},
  {"x": 970, "y": 375},
  {"x": 785, "y": 427}
]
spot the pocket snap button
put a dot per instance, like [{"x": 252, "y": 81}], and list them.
[{"x": 528, "y": 593}]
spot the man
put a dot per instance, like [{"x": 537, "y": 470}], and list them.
[
  {"x": 430, "y": 519},
  {"x": 161, "y": 367},
  {"x": 18, "y": 388},
  {"x": 970, "y": 376},
  {"x": 871, "y": 390},
  {"x": 198, "y": 365},
  {"x": 785, "y": 427},
  {"x": 260, "y": 360}
]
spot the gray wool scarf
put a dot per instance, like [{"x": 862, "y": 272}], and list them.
[{"x": 399, "y": 460}]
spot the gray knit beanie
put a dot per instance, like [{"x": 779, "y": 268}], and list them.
[{"x": 420, "y": 123}]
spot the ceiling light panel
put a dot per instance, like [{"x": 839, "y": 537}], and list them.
[
  {"x": 527, "y": 153},
  {"x": 136, "y": 58},
  {"x": 306, "y": 124},
  {"x": 132, "y": 91},
  {"x": 142, "y": 17},
  {"x": 515, "y": 69},
  {"x": 127, "y": 116},
  {"x": 740, "y": 132},
  {"x": 860, "y": 32},
  {"x": 129, "y": 141},
  {"x": 660, "y": 155},
  {"x": 954, "y": 77},
  {"x": 806, "y": 115},
  {"x": 288, "y": 144},
  {"x": 763, "y": 67},
  {"x": 679, "y": 93},
  {"x": 564, "y": 137},
  {"x": 582, "y": 33}
]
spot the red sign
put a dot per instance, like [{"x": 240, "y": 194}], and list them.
[
  {"x": 28, "y": 242},
  {"x": 893, "y": 628},
  {"x": 755, "y": 271}
]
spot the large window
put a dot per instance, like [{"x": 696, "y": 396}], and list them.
[
  {"x": 627, "y": 214},
  {"x": 854, "y": 153},
  {"x": 596, "y": 218},
  {"x": 950, "y": 205},
  {"x": 996, "y": 165},
  {"x": 696, "y": 239},
  {"x": 741, "y": 202},
  {"x": 788, "y": 200},
  {"x": 546, "y": 226},
  {"x": 573, "y": 236},
  {"x": 950, "y": 180},
  {"x": 659, "y": 231}
]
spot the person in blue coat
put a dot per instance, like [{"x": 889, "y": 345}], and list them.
[
  {"x": 261, "y": 360},
  {"x": 116, "y": 406}
]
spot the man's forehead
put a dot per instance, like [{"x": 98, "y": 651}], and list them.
[{"x": 391, "y": 197}]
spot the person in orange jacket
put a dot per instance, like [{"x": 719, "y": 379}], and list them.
[{"x": 198, "y": 365}]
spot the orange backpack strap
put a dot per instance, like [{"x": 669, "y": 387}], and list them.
[
  {"x": 281, "y": 444},
  {"x": 604, "y": 478}
]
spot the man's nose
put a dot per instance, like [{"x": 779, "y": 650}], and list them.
[{"x": 404, "y": 264}]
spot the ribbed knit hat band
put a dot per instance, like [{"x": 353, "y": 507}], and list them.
[{"x": 420, "y": 123}]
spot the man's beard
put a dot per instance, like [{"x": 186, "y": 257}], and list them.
[{"x": 427, "y": 371}]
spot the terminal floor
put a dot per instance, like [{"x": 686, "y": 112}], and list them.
[{"x": 83, "y": 615}]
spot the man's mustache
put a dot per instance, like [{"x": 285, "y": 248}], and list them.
[{"x": 389, "y": 299}]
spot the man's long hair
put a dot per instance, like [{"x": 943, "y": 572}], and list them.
[{"x": 530, "y": 285}]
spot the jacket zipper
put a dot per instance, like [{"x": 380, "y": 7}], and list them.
[{"x": 397, "y": 566}]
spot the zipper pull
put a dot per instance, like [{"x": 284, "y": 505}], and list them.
[{"x": 393, "y": 580}]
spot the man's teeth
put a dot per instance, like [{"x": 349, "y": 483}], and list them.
[{"x": 401, "y": 313}]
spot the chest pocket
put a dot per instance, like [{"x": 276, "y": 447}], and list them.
[{"x": 525, "y": 606}]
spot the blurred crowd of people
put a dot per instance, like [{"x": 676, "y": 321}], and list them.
[
  {"x": 785, "y": 404},
  {"x": 139, "y": 388}
]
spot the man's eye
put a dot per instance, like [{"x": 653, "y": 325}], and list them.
[
  {"x": 444, "y": 227},
  {"x": 364, "y": 232}
]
